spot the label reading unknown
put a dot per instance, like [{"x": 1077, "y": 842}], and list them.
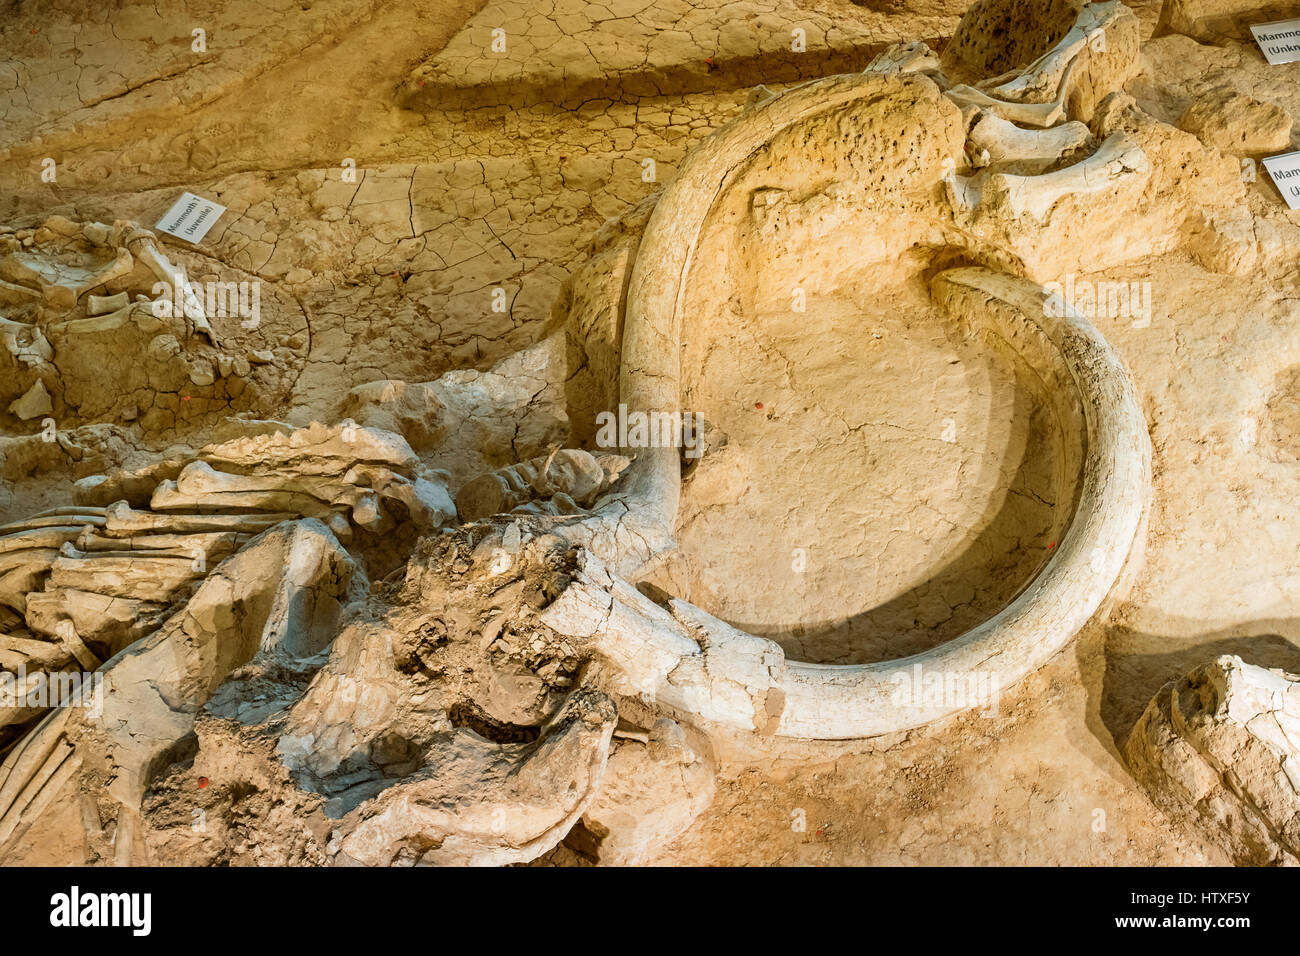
[
  {"x": 1280, "y": 41},
  {"x": 191, "y": 217},
  {"x": 1285, "y": 170}
]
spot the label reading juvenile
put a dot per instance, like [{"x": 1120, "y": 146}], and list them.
[
  {"x": 1280, "y": 41},
  {"x": 191, "y": 217},
  {"x": 1285, "y": 170}
]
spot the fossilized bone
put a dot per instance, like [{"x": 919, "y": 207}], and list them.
[
  {"x": 110, "y": 620},
  {"x": 143, "y": 577},
  {"x": 255, "y": 602},
  {"x": 993, "y": 141},
  {"x": 570, "y": 477},
  {"x": 720, "y": 675},
  {"x": 479, "y": 803},
  {"x": 77, "y": 336},
  {"x": 62, "y": 285},
  {"x": 21, "y": 571},
  {"x": 359, "y": 490},
  {"x": 166, "y": 497},
  {"x": 31, "y": 654},
  {"x": 914, "y": 57},
  {"x": 651, "y": 791},
  {"x": 212, "y": 545},
  {"x": 1221, "y": 746},
  {"x": 33, "y": 773},
  {"x": 22, "y": 576},
  {"x": 108, "y": 591},
  {"x": 106, "y": 574},
  {"x": 678, "y": 656},
  {"x": 1032, "y": 114},
  {"x": 963, "y": 192},
  {"x": 1118, "y": 160},
  {"x": 138, "y": 312},
  {"x": 647, "y": 643},
  {"x": 104, "y": 304},
  {"x": 142, "y": 243},
  {"x": 1046, "y": 76},
  {"x": 26, "y": 344},
  {"x": 39, "y": 537},
  {"x": 917, "y": 57},
  {"x": 31, "y": 355},
  {"x": 12, "y": 291},
  {"x": 636, "y": 521},
  {"x": 65, "y": 517},
  {"x": 120, "y": 519}
]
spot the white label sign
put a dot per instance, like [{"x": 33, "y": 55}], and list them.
[
  {"x": 1285, "y": 170},
  {"x": 1280, "y": 41},
  {"x": 191, "y": 217}
]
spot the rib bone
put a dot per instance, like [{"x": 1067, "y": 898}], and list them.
[
  {"x": 144, "y": 578},
  {"x": 121, "y": 519},
  {"x": 141, "y": 242}
]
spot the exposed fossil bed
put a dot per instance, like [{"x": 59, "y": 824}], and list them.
[{"x": 364, "y": 583}]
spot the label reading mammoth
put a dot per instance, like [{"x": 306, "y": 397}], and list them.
[
  {"x": 1285, "y": 170},
  {"x": 190, "y": 217}
]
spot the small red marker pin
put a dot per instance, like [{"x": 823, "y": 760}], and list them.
[
  {"x": 203, "y": 783},
  {"x": 185, "y": 398},
  {"x": 758, "y": 405},
  {"x": 1051, "y": 546}
]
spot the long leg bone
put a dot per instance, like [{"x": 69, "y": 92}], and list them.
[
  {"x": 141, "y": 242},
  {"x": 167, "y": 498},
  {"x": 200, "y": 485}
]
